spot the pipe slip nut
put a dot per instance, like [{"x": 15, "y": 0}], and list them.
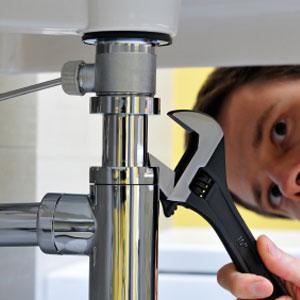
[{"x": 66, "y": 224}]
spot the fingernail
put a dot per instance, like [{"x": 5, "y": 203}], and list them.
[{"x": 272, "y": 249}]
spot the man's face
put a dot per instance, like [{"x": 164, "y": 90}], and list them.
[{"x": 261, "y": 123}]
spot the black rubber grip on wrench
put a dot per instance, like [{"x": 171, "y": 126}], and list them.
[{"x": 211, "y": 199}]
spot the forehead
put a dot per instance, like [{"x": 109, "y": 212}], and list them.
[
  {"x": 244, "y": 103},
  {"x": 249, "y": 95}
]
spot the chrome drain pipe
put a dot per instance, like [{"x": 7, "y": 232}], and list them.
[
  {"x": 18, "y": 224},
  {"x": 123, "y": 263}
]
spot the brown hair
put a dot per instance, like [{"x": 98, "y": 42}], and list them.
[{"x": 223, "y": 81}]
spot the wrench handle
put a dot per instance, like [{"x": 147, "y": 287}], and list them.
[
  {"x": 211, "y": 199},
  {"x": 236, "y": 237}
]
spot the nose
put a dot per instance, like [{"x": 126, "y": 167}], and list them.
[{"x": 287, "y": 176}]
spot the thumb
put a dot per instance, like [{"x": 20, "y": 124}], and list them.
[{"x": 279, "y": 262}]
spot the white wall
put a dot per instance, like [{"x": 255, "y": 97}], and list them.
[{"x": 18, "y": 123}]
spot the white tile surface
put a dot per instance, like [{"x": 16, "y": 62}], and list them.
[
  {"x": 17, "y": 116},
  {"x": 64, "y": 174},
  {"x": 17, "y": 174},
  {"x": 17, "y": 273},
  {"x": 65, "y": 127},
  {"x": 17, "y": 182}
]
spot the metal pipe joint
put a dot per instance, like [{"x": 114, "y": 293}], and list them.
[{"x": 59, "y": 224}]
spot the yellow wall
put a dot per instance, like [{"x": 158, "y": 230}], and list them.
[{"x": 186, "y": 84}]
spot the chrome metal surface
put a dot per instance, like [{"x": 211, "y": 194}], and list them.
[
  {"x": 124, "y": 140},
  {"x": 123, "y": 265},
  {"x": 125, "y": 175},
  {"x": 87, "y": 78},
  {"x": 166, "y": 175},
  {"x": 74, "y": 225},
  {"x": 66, "y": 224},
  {"x": 30, "y": 89},
  {"x": 210, "y": 133},
  {"x": 135, "y": 105},
  {"x": 45, "y": 223},
  {"x": 60, "y": 224},
  {"x": 125, "y": 67},
  {"x": 18, "y": 223}
]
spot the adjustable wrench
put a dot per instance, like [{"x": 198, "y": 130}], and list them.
[{"x": 199, "y": 183}]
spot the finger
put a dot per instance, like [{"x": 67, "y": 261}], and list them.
[
  {"x": 285, "y": 298},
  {"x": 279, "y": 262},
  {"x": 243, "y": 285}
]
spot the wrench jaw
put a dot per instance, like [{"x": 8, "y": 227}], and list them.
[
  {"x": 166, "y": 185},
  {"x": 202, "y": 124},
  {"x": 206, "y": 135},
  {"x": 166, "y": 175}
]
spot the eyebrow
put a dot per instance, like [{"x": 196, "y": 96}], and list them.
[{"x": 260, "y": 124}]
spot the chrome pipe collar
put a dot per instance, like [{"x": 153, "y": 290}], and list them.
[
  {"x": 66, "y": 224},
  {"x": 125, "y": 104},
  {"x": 121, "y": 176},
  {"x": 59, "y": 224}
]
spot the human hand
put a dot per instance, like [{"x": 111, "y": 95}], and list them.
[{"x": 250, "y": 286}]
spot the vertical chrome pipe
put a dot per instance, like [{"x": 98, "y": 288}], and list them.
[
  {"x": 128, "y": 135},
  {"x": 18, "y": 224},
  {"x": 123, "y": 263}
]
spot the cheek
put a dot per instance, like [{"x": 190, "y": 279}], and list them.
[
  {"x": 294, "y": 124},
  {"x": 295, "y": 129},
  {"x": 236, "y": 167},
  {"x": 292, "y": 209},
  {"x": 242, "y": 166}
]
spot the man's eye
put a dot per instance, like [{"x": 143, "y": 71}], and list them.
[
  {"x": 275, "y": 196},
  {"x": 279, "y": 132}
]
